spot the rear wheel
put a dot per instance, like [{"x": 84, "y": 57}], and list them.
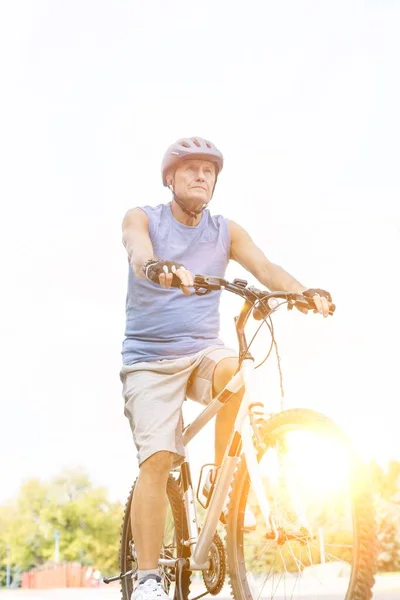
[
  {"x": 175, "y": 531},
  {"x": 320, "y": 501}
]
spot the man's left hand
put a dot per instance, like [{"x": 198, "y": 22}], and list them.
[{"x": 322, "y": 300}]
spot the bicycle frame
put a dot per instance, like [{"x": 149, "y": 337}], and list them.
[
  {"x": 246, "y": 440},
  {"x": 240, "y": 441}
]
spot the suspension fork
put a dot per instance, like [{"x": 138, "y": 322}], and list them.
[
  {"x": 253, "y": 470},
  {"x": 249, "y": 449}
]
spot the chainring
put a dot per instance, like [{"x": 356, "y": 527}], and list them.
[{"x": 214, "y": 578}]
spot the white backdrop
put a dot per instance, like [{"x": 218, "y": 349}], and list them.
[{"x": 302, "y": 99}]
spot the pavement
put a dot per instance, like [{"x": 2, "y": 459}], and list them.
[{"x": 386, "y": 588}]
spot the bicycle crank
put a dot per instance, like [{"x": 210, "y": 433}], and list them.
[{"x": 119, "y": 577}]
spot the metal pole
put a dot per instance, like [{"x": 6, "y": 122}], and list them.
[
  {"x": 56, "y": 546},
  {"x": 321, "y": 545},
  {"x": 8, "y": 573}
]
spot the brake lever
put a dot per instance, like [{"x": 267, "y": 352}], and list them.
[
  {"x": 204, "y": 285},
  {"x": 201, "y": 291}
]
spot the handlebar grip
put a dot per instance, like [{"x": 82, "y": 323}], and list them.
[
  {"x": 176, "y": 282},
  {"x": 311, "y": 306},
  {"x": 308, "y": 303}
]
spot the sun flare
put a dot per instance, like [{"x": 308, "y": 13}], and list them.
[{"x": 317, "y": 466}]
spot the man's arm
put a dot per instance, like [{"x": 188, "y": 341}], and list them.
[
  {"x": 249, "y": 255},
  {"x": 245, "y": 252},
  {"x": 136, "y": 239}
]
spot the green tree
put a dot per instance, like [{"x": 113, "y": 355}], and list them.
[
  {"x": 88, "y": 524},
  {"x": 386, "y": 485},
  {"x": 388, "y": 536}
]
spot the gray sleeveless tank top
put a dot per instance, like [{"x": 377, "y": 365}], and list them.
[{"x": 164, "y": 323}]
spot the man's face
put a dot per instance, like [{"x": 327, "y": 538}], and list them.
[{"x": 194, "y": 181}]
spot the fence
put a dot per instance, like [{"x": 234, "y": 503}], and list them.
[{"x": 66, "y": 575}]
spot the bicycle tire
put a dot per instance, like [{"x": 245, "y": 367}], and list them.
[
  {"x": 362, "y": 517},
  {"x": 177, "y": 512}
]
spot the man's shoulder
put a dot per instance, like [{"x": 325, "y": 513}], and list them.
[
  {"x": 145, "y": 210},
  {"x": 217, "y": 218},
  {"x": 148, "y": 207}
]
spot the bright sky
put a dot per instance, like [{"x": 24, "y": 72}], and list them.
[{"x": 303, "y": 100}]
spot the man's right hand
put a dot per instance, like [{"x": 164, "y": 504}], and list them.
[{"x": 169, "y": 273}]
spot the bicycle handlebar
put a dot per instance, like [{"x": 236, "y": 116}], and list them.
[{"x": 204, "y": 284}]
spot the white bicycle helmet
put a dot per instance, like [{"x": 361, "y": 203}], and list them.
[{"x": 190, "y": 148}]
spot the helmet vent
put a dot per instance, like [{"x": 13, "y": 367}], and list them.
[
  {"x": 196, "y": 142},
  {"x": 184, "y": 144}
]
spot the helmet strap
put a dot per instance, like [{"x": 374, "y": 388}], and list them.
[{"x": 191, "y": 213}]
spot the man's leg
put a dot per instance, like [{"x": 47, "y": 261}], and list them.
[
  {"x": 149, "y": 507},
  {"x": 153, "y": 405},
  {"x": 225, "y": 419}
]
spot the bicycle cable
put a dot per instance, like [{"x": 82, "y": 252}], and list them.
[
  {"x": 273, "y": 343},
  {"x": 264, "y": 321},
  {"x": 273, "y": 340}
]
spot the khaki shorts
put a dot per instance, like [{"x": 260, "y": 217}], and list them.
[{"x": 155, "y": 391}]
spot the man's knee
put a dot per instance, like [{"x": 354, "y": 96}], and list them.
[
  {"x": 158, "y": 464},
  {"x": 223, "y": 372}
]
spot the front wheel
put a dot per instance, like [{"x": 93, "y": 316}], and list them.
[{"x": 324, "y": 541}]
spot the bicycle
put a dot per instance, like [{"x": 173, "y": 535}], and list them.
[{"x": 301, "y": 535}]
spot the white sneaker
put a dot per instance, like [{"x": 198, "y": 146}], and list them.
[
  {"x": 149, "y": 588},
  {"x": 249, "y": 521}
]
